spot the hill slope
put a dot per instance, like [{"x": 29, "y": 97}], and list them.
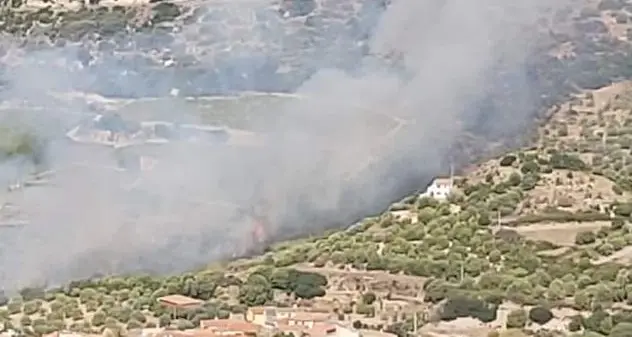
[{"x": 562, "y": 241}]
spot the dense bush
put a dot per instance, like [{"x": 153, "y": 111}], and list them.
[
  {"x": 516, "y": 319},
  {"x": 456, "y": 307},
  {"x": 567, "y": 161},
  {"x": 507, "y": 160},
  {"x": 540, "y": 315},
  {"x": 585, "y": 238}
]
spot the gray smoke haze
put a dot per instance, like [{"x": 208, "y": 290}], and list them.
[{"x": 377, "y": 116}]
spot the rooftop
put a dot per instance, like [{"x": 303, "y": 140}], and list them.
[
  {"x": 179, "y": 300},
  {"x": 186, "y": 333},
  {"x": 309, "y": 316},
  {"x": 226, "y": 325},
  {"x": 321, "y": 329},
  {"x": 317, "y": 330},
  {"x": 442, "y": 181}
]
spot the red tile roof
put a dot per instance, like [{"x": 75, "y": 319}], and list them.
[
  {"x": 226, "y": 325},
  {"x": 179, "y": 300},
  {"x": 321, "y": 330},
  {"x": 309, "y": 316},
  {"x": 296, "y": 329},
  {"x": 187, "y": 333},
  {"x": 257, "y": 310}
]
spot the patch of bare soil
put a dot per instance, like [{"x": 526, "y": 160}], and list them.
[
  {"x": 623, "y": 256},
  {"x": 562, "y": 234},
  {"x": 571, "y": 191}
]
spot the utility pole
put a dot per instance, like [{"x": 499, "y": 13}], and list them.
[
  {"x": 498, "y": 220},
  {"x": 415, "y": 324}
]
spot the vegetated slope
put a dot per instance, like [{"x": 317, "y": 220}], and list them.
[
  {"x": 440, "y": 261},
  {"x": 452, "y": 244}
]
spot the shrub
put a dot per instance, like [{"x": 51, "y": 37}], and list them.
[
  {"x": 507, "y": 160},
  {"x": 623, "y": 329},
  {"x": 540, "y": 315},
  {"x": 134, "y": 324},
  {"x": 514, "y": 179},
  {"x": 617, "y": 224},
  {"x": 365, "y": 309},
  {"x": 164, "y": 320},
  {"x": 516, "y": 319},
  {"x": 98, "y": 319},
  {"x": 456, "y": 307},
  {"x": 25, "y": 321},
  {"x": 31, "y": 307},
  {"x": 624, "y": 210},
  {"x": 369, "y": 298},
  {"x": 585, "y": 238},
  {"x": 575, "y": 323},
  {"x": 184, "y": 324},
  {"x": 567, "y": 162},
  {"x": 14, "y": 307},
  {"x": 530, "y": 167}
]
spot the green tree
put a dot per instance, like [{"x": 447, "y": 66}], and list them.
[
  {"x": 585, "y": 238},
  {"x": 164, "y": 320},
  {"x": 98, "y": 319},
  {"x": 369, "y": 298},
  {"x": 256, "y": 291},
  {"x": 540, "y": 315},
  {"x": 623, "y": 329},
  {"x": 516, "y": 319}
]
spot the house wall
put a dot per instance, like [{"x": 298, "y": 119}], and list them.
[
  {"x": 259, "y": 319},
  {"x": 346, "y": 332},
  {"x": 438, "y": 191},
  {"x": 307, "y": 324}
]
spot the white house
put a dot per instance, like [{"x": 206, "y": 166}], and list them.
[{"x": 440, "y": 188}]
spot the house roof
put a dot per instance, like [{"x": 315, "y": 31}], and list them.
[
  {"x": 257, "y": 310},
  {"x": 179, "y": 301},
  {"x": 321, "y": 329},
  {"x": 442, "y": 181},
  {"x": 69, "y": 334},
  {"x": 228, "y": 325},
  {"x": 187, "y": 333},
  {"x": 309, "y": 316},
  {"x": 296, "y": 329}
]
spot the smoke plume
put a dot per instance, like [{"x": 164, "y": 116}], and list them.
[{"x": 381, "y": 98}]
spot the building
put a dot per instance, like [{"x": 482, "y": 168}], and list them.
[
  {"x": 266, "y": 315},
  {"x": 176, "y": 302},
  {"x": 320, "y": 329},
  {"x": 70, "y": 334},
  {"x": 439, "y": 189},
  {"x": 230, "y": 327},
  {"x": 307, "y": 319}
]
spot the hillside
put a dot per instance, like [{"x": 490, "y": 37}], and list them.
[
  {"x": 562, "y": 244},
  {"x": 536, "y": 240}
]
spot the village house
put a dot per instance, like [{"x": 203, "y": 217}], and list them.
[
  {"x": 267, "y": 315},
  {"x": 70, "y": 334},
  {"x": 307, "y": 319},
  {"x": 320, "y": 329},
  {"x": 230, "y": 327},
  {"x": 261, "y": 322},
  {"x": 179, "y": 302},
  {"x": 439, "y": 189}
]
